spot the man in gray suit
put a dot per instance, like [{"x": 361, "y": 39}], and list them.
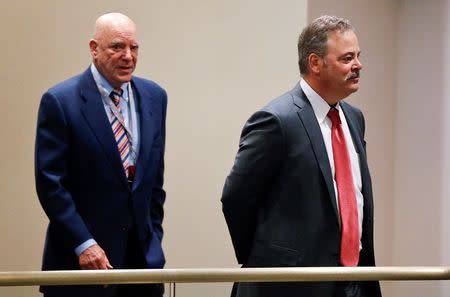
[{"x": 299, "y": 193}]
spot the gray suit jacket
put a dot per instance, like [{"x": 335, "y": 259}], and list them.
[{"x": 279, "y": 201}]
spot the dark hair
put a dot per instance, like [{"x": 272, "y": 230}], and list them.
[{"x": 314, "y": 37}]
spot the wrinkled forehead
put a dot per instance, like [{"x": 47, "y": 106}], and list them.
[{"x": 119, "y": 35}]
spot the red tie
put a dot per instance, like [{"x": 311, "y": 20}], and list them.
[{"x": 346, "y": 193}]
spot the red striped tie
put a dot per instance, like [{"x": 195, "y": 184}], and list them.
[
  {"x": 346, "y": 193},
  {"x": 120, "y": 134}
]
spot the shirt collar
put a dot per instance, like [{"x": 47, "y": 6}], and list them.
[
  {"x": 319, "y": 105},
  {"x": 106, "y": 85}
]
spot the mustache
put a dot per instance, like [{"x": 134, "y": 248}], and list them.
[{"x": 353, "y": 75}]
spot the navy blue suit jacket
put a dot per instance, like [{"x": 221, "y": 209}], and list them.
[
  {"x": 279, "y": 200},
  {"x": 80, "y": 179}
]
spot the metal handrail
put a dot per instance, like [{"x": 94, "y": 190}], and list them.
[{"x": 209, "y": 275}]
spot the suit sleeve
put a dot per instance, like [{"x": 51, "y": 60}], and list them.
[
  {"x": 257, "y": 162},
  {"x": 51, "y": 172},
  {"x": 158, "y": 193}
]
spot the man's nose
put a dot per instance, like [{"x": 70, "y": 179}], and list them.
[
  {"x": 358, "y": 65},
  {"x": 127, "y": 54}
]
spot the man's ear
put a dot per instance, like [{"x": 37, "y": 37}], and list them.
[
  {"x": 315, "y": 63},
  {"x": 93, "y": 46}
]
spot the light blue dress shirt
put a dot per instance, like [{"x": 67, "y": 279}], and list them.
[{"x": 130, "y": 118}]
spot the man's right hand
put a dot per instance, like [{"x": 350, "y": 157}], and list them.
[{"x": 94, "y": 257}]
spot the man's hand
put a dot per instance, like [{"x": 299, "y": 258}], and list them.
[{"x": 94, "y": 258}]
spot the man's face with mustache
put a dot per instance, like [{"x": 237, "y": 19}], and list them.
[{"x": 341, "y": 65}]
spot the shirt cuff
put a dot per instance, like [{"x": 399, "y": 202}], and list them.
[{"x": 82, "y": 247}]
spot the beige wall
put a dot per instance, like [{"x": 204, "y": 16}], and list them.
[
  {"x": 218, "y": 60},
  {"x": 422, "y": 194},
  {"x": 444, "y": 113}
]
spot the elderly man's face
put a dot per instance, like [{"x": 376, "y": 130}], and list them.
[
  {"x": 341, "y": 67},
  {"x": 115, "y": 53}
]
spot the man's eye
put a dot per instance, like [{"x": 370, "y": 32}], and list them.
[{"x": 347, "y": 59}]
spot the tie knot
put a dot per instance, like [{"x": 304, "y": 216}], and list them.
[
  {"x": 115, "y": 96},
  {"x": 333, "y": 114}
]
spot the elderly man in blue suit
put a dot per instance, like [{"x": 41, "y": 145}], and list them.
[{"x": 99, "y": 164}]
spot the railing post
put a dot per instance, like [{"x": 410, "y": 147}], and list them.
[{"x": 172, "y": 292}]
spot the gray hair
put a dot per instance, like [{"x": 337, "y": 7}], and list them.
[{"x": 314, "y": 37}]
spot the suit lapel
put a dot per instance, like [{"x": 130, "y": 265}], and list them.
[
  {"x": 352, "y": 122},
  {"x": 146, "y": 129},
  {"x": 94, "y": 113},
  {"x": 308, "y": 118}
]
